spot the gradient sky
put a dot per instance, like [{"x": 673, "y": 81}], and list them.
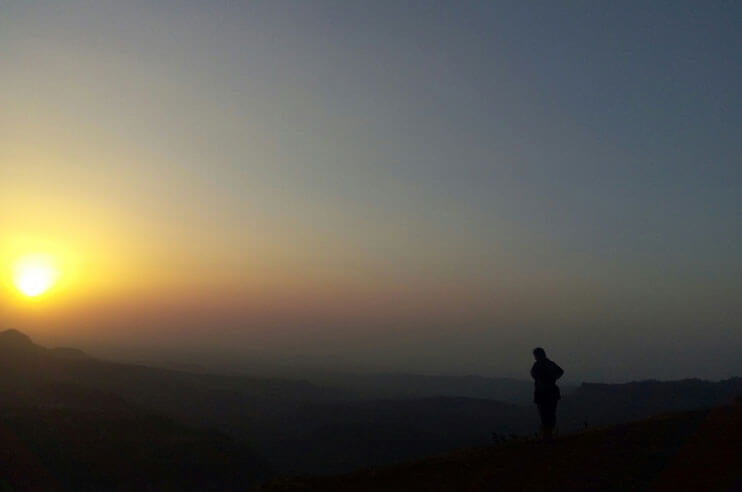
[{"x": 378, "y": 185}]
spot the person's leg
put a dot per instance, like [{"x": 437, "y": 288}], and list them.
[
  {"x": 547, "y": 412},
  {"x": 550, "y": 419},
  {"x": 543, "y": 413}
]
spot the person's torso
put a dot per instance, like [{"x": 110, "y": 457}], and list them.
[{"x": 545, "y": 376}]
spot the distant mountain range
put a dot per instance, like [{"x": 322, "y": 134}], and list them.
[
  {"x": 292, "y": 426},
  {"x": 402, "y": 385},
  {"x": 603, "y": 404}
]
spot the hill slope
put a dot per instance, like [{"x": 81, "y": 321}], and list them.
[
  {"x": 61, "y": 449},
  {"x": 60, "y": 432},
  {"x": 296, "y": 426},
  {"x": 696, "y": 450}
]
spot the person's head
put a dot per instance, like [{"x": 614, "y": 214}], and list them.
[{"x": 539, "y": 353}]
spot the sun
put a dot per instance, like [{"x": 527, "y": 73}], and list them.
[{"x": 34, "y": 274}]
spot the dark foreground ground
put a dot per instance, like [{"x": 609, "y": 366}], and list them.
[{"x": 699, "y": 451}]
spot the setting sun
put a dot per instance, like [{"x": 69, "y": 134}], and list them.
[{"x": 35, "y": 274}]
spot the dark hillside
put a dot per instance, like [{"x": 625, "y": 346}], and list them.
[
  {"x": 63, "y": 427},
  {"x": 296, "y": 426},
  {"x": 698, "y": 449},
  {"x": 74, "y": 450},
  {"x": 334, "y": 438}
]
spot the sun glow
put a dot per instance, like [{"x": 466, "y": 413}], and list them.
[{"x": 33, "y": 275}]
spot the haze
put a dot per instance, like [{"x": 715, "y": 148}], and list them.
[{"x": 379, "y": 186}]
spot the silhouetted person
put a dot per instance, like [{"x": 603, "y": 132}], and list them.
[{"x": 545, "y": 373}]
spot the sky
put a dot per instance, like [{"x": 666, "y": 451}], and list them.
[{"x": 379, "y": 186}]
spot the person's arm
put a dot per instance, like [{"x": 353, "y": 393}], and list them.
[{"x": 558, "y": 371}]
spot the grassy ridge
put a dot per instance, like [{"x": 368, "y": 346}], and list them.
[{"x": 700, "y": 447}]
